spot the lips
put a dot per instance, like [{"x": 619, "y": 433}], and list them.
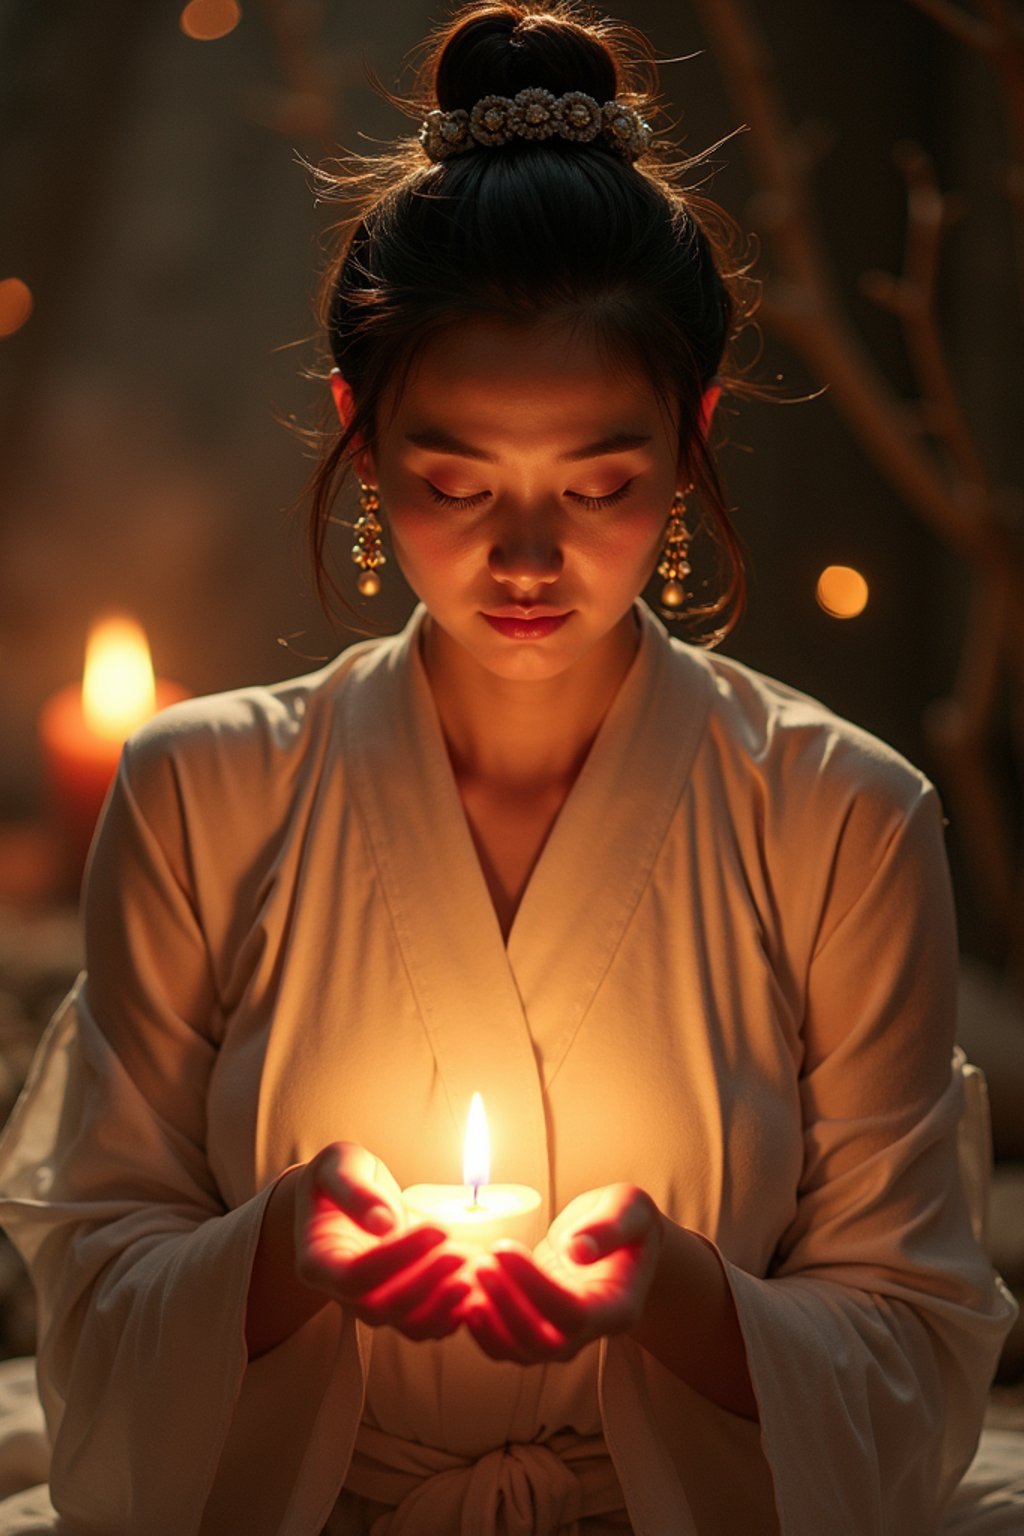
[
  {"x": 518, "y": 627},
  {"x": 512, "y": 612}
]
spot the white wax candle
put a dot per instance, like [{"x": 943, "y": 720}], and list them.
[
  {"x": 500, "y": 1210},
  {"x": 475, "y": 1213}
]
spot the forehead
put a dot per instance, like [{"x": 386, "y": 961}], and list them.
[{"x": 494, "y": 377}]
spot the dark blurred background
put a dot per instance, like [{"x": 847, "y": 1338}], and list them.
[{"x": 151, "y": 201}]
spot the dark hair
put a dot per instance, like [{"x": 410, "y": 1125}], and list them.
[{"x": 535, "y": 230}]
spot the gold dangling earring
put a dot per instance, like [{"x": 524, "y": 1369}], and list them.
[
  {"x": 367, "y": 551},
  {"x": 674, "y": 565}
]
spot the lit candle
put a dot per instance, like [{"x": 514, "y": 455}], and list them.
[
  {"x": 476, "y": 1212},
  {"x": 83, "y": 727}
]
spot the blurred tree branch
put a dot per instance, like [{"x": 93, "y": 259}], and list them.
[
  {"x": 998, "y": 34},
  {"x": 925, "y": 449}
]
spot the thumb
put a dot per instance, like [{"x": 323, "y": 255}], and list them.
[
  {"x": 347, "y": 1178},
  {"x": 630, "y": 1224}
]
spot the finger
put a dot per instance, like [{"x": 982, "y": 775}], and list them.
[
  {"x": 531, "y": 1332},
  {"x": 348, "y": 1175},
  {"x": 583, "y": 1247},
  {"x": 440, "y": 1314},
  {"x": 359, "y": 1203},
  {"x": 324, "y": 1215},
  {"x": 598, "y": 1238},
  {"x": 392, "y": 1302},
  {"x": 492, "y": 1337},
  {"x": 390, "y": 1258},
  {"x": 553, "y": 1301},
  {"x": 354, "y": 1275}
]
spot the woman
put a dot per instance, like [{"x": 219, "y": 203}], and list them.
[{"x": 690, "y": 935}]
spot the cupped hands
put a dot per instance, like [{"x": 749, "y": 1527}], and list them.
[
  {"x": 353, "y": 1239},
  {"x": 588, "y": 1277}
]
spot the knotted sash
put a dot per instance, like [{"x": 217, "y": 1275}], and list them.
[{"x": 516, "y": 1490}]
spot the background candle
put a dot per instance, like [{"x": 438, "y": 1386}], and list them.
[
  {"x": 476, "y": 1213},
  {"x": 83, "y": 727}
]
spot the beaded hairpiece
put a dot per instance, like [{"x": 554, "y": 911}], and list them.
[{"x": 535, "y": 114}]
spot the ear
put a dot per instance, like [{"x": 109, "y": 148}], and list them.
[
  {"x": 711, "y": 398},
  {"x": 343, "y": 399},
  {"x": 344, "y": 404}
]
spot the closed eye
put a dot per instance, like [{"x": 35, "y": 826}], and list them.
[
  {"x": 594, "y": 502},
  {"x": 597, "y": 502},
  {"x": 455, "y": 501}
]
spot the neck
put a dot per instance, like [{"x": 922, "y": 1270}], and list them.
[{"x": 524, "y": 735}]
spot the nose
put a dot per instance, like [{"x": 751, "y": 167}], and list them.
[{"x": 526, "y": 553}]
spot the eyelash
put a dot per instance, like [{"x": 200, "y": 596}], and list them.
[{"x": 595, "y": 503}]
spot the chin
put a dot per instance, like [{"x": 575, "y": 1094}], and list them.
[
  {"x": 527, "y": 669},
  {"x": 514, "y": 660}
]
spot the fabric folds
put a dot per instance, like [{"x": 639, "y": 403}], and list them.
[
  {"x": 731, "y": 980},
  {"x": 513, "y": 1490}
]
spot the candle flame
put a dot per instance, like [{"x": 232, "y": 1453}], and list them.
[
  {"x": 476, "y": 1161},
  {"x": 118, "y": 689}
]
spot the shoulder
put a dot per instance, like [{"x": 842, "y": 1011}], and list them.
[
  {"x": 258, "y": 725},
  {"x": 220, "y": 755},
  {"x": 795, "y": 748},
  {"x": 817, "y": 805}
]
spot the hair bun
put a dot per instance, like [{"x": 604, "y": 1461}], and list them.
[{"x": 499, "y": 50}]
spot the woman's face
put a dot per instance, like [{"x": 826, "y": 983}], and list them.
[{"x": 522, "y": 476}]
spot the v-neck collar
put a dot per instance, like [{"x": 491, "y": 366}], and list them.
[
  {"x": 602, "y": 848},
  {"x": 501, "y": 1019}
]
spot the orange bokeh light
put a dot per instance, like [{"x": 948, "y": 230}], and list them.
[
  {"x": 15, "y": 305},
  {"x": 842, "y": 592},
  {"x": 206, "y": 20}
]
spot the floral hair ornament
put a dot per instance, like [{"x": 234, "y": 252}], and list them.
[{"x": 535, "y": 114}]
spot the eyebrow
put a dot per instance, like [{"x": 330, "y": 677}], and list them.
[{"x": 443, "y": 442}]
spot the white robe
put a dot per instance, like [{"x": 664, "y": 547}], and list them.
[{"x": 731, "y": 979}]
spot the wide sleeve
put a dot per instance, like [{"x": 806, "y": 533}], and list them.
[
  {"x": 873, "y": 1339},
  {"x": 159, "y": 1423}
]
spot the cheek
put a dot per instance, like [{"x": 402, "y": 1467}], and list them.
[
  {"x": 626, "y": 541},
  {"x": 433, "y": 543},
  {"x": 428, "y": 543}
]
